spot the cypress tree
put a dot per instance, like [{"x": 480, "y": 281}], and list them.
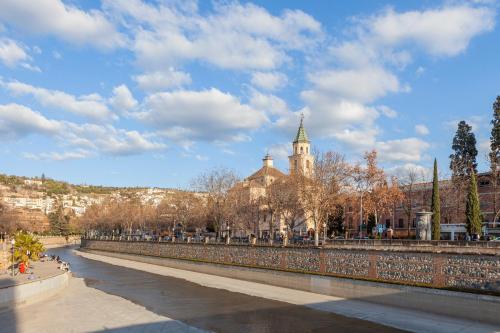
[
  {"x": 472, "y": 209},
  {"x": 495, "y": 150},
  {"x": 495, "y": 133},
  {"x": 436, "y": 205}
]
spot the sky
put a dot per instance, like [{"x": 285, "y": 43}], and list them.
[{"x": 153, "y": 93}]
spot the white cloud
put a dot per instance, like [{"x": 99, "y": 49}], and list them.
[
  {"x": 65, "y": 21},
  {"x": 91, "y": 106},
  {"x": 201, "y": 157},
  {"x": 474, "y": 121},
  {"x": 444, "y": 31},
  {"x": 402, "y": 172},
  {"x": 162, "y": 80},
  {"x": 421, "y": 129},
  {"x": 56, "y": 55},
  {"x": 484, "y": 148},
  {"x": 402, "y": 150},
  {"x": 122, "y": 100},
  {"x": 18, "y": 121},
  {"x": 364, "y": 68},
  {"x": 30, "y": 67},
  {"x": 420, "y": 71},
  {"x": 360, "y": 84},
  {"x": 269, "y": 80},
  {"x": 11, "y": 54},
  {"x": 270, "y": 104},
  {"x": 206, "y": 115},
  {"x": 387, "y": 111},
  {"x": 230, "y": 36},
  {"x": 280, "y": 151},
  {"x": 359, "y": 139},
  {"x": 55, "y": 156}
]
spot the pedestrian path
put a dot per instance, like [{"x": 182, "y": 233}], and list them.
[
  {"x": 82, "y": 309},
  {"x": 40, "y": 269}
]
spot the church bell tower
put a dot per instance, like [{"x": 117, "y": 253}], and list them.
[{"x": 301, "y": 159}]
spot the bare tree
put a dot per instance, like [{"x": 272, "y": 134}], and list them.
[
  {"x": 408, "y": 185},
  {"x": 285, "y": 195},
  {"x": 216, "y": 183},
  {"x": 322, "y": 190}
]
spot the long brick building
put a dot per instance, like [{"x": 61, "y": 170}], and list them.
[{"x": 403, "y": 216}]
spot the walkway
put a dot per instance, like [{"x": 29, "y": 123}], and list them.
[{"x": 40, "y": 270}]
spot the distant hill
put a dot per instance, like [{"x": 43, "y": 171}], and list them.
[{"x": 56, "y": 187}]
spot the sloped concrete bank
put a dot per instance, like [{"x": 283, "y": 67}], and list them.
[
  {"x": 433, "y": 301},
  {"x": 32, "y": 291}
]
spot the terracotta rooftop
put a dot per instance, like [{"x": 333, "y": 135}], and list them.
[{"x": 266, "y": 171}]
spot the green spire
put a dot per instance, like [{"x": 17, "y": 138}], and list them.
[{"x": 301, "y": 133}]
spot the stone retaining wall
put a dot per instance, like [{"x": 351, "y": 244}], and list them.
[
  {"x": 450, "y": 271},
  {"x": 57, "y": 241},
  {"x": 32, "y": 291}
]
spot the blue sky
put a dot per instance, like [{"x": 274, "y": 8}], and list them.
[{"x": 137, "y": 93}]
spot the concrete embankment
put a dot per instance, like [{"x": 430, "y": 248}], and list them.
[
  {"x": 32, "y": 291},
  {"x": 432, "y": 301}
]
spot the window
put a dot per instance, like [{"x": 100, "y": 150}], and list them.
[
  {"x": 414, "y": 223},
  {"x": 307, "y": 150},
  {"x": 484, "y": 182},
  {"x": 295, "y": 163},
  {"x": 307, "y": 164},
  {"x": 387, "y": 223},
  {"x": 349, "y": 209},
  {"x": 301, "y": 150},
  {"x": 350, "y": 223},
  {"x": 446, "y": 220},
  {"x": 401, "y": 223}
]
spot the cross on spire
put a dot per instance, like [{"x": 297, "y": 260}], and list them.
[{"x": 301, "y": 133}]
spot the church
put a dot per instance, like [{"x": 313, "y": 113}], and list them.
[{"x": 255, "y": 186}]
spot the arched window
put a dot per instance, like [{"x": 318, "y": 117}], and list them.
[
  {"x": 307, "y": 150},
  {"x": 295, "y": 162},
  {"x": 301, "y": 150},
  {"x": 307, "y": 164},
  {"x": 295, "y": 150}
]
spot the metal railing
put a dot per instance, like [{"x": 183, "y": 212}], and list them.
[{"x": 360, "y": 243}]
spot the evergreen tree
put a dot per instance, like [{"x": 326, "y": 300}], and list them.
[
  {"x": 436, "y": 205},
  {"x": 371, "y": 223},
  {"x": 495, "y": 133},
  {"x": 59, "y": 223},
  {"x": 336, "y": 221},
  {"x": 495, "y": 150},
  {"x": 472, "y": 210},
  {"x": 463, "y": 160}
]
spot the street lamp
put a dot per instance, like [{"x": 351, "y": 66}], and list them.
[
  {"x": 13, "y": 242},
  {"x": 324, "y": 233}
]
